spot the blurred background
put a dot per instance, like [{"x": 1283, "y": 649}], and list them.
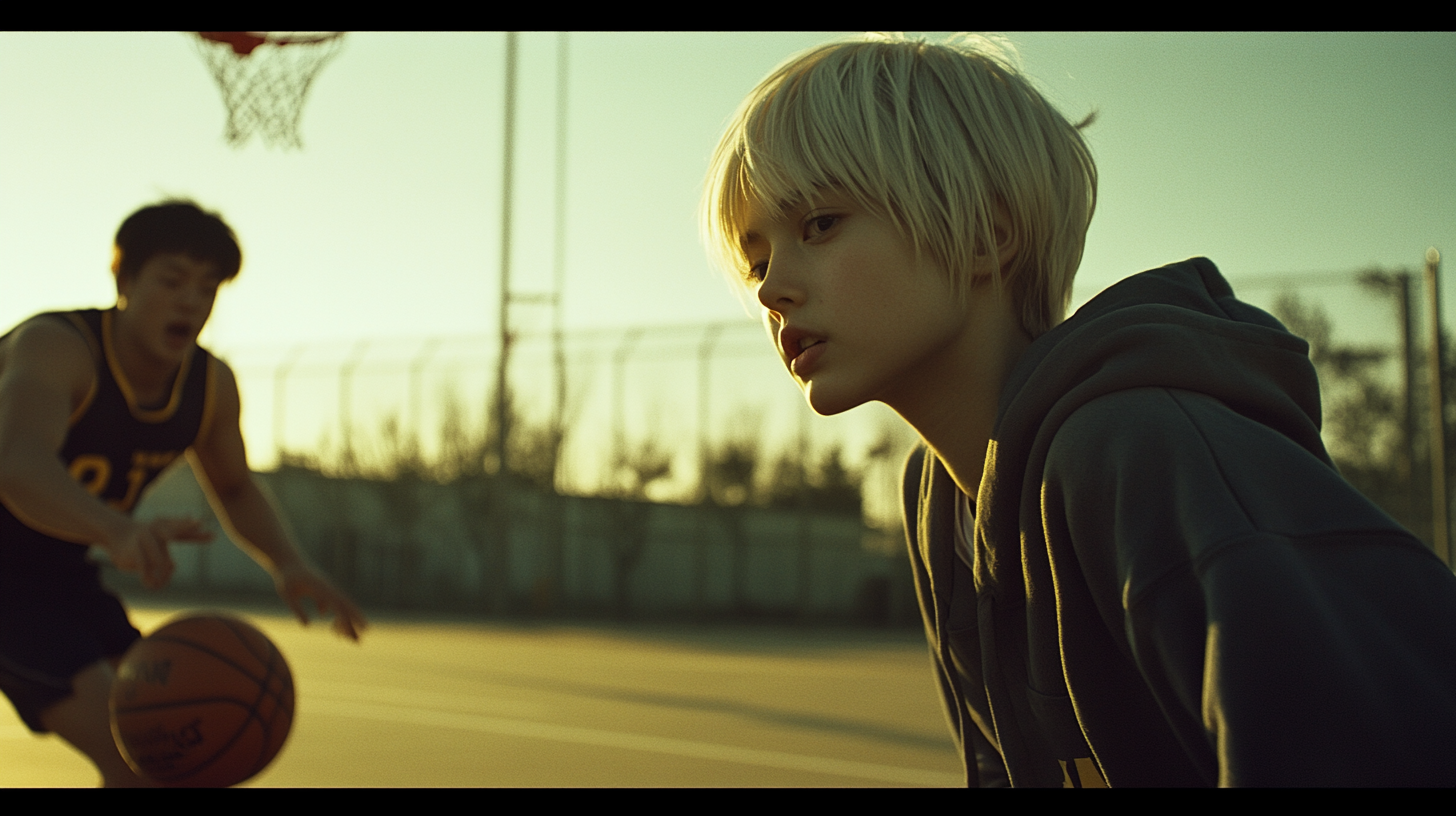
[
  {"x": 657, "y": 460},
  {"x": 602, "y": 539}
]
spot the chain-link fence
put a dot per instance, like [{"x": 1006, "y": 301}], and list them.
[
  {"x": 689, "y": 398},
  {"x": 689, "y": 478},
  {"x": 682, "y": 471}
]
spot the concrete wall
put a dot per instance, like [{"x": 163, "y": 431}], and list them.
[{"x": 429, "y": 546}]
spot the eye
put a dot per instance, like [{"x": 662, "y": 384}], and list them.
[
  {"x": 818, "y": 225},
  {"x": 756, "y": 272}
]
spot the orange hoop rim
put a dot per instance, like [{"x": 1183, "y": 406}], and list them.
[{"x": 244, "y": 42}]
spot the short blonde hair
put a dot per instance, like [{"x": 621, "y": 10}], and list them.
[{"x": 932, "y": 137}]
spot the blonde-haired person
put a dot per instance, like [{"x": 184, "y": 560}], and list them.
[
  {"x": 966, "y": 138},
  {"x": 1136, "y": 561}
]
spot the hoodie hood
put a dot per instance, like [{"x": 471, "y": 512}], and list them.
[{"x": 1178, "y": 327}]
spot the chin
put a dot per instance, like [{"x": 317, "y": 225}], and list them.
[
  {"x": 824, "y": 403},
  {"x": 169, "y": 355}
]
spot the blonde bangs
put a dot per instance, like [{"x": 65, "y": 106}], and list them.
[
  {"x": 934, "y": 138},
  {"x": 773, "y": 154}
]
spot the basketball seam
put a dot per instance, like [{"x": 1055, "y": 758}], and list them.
[
  {"x": 275, "y": 669},
  {"x": 270, "y": 662}
]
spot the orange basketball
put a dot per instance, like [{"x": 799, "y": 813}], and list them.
[{"x": 205, "y": 701}]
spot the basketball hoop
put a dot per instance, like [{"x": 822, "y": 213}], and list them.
[{"x": 264, "y": 76}]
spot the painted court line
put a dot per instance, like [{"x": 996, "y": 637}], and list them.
[
  {"x": 637, "y": 742},
  {"x": 493, "y": 703},
  {"x": 16, "y": 731}
]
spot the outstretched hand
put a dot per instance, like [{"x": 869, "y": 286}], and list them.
[
  {"x": 299, "y": 582},
  {"x": 143, "y": 549}
]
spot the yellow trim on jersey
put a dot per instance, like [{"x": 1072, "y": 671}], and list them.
[
  {"x": 144, "y": 414},
  {"x": 91, "y": 343},
  {"x": 1082, "y": 772},
  {"x": 209, "y": 400}
]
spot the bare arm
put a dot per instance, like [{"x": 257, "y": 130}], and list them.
[
  {"x": 46, "y": 372},
  {"x": 222, "y": 468}
]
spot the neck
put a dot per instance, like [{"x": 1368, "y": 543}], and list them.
[
  {"x": 956, "y": 411},
  {"x": 150, "y": 378}
]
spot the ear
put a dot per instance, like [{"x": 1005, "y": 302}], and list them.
[{"x": 123, "y": 282}]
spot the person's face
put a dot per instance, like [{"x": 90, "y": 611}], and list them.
[
  {"x": 855, "y": 315},
  {"x": 165, "y": 304}
]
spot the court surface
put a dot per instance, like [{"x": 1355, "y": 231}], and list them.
[{"x": 428, "y": 703}]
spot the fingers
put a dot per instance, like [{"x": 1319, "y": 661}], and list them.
[
  {"x": 147, "y": 552},
  {"x": 298, "y": 610},
  {"x": 292, "y": 593},
  {"x": 348, "y": 620},
  {"x": 156, "y": 561}
]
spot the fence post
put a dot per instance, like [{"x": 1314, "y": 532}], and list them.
[
  {"x": 805, "y": 520},
  {"x": 619, "y": 410},
  {"x": 1408, "y": 390},
  {"x": 417, "y": 367},
  {"x": 280, "y": 376},
  {"x": 1440, "y": 540},
  {"x": 346, "y": 379},
  {"x": 700, "y": 545}
]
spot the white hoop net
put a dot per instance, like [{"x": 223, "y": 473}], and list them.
[{"x": 264, "y": 77}]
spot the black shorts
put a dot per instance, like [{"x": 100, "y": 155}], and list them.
[{"x": 50, "y": 630}]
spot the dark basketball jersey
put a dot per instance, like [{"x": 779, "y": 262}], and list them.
[{"x": 114, "y": 447}]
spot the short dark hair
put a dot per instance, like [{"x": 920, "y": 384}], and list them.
[{"x": 176, "y": 225}]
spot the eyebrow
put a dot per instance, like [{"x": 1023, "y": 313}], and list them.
[
  {"x": 214, "y": 272},
  {"x": 785, "y": 206},
  {"x": 171, "y": 262}
]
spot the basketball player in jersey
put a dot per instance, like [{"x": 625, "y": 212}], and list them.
[{"x": 93, "y": 405}]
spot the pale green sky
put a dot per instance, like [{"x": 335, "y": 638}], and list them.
[
  {"x": 1269, "y": 153},
  {"x": 1266, "y": 152}
]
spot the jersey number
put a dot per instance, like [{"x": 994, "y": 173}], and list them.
[{"x": 93, "y": 472}]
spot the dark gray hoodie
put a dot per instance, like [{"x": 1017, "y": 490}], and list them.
[{"x": 1168, "y": 576}]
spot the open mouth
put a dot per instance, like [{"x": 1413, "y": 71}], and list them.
[
  {"x": 793, "y": 342},
  {"x": 806, "y": 360},
  {"x": 806, "y": 344}
]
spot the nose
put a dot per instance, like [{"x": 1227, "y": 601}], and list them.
[
  {"x": 781, "y": 288},
  {"x": 198, "y": 300}
]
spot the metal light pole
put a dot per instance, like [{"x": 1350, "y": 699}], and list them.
[
  {"x": 558, "y": 335},
  {"x": 500, "y": 569},
  {"x": 544, "y": 585},
  {"x": 553, "y": 575}
]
